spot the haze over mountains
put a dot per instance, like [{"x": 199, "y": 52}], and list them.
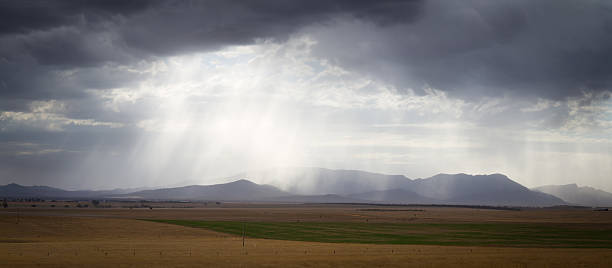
[
  {"x": 495, "y": 189},
  {"x": 240, "y": 190},
  {"x": 317, "y": 181},
  {"x": 317, "y": 185},
  {"x": 19, "y": 191},
  {"x": 571, "y": 193}
]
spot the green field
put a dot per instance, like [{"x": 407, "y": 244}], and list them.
[{"x": 464, "y": 234}]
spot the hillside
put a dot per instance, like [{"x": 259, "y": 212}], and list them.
[
  {"x": 240, "y": 190},
  {"x": 456, "y": 189},
  {"x": 318, "y": 185},
  {"x": 14, "y": 190},
  {"x": 494, "y": 189},
  {"x": 396, "y": 196},
  {"x": 573, "y": 194},
  {"x": 321, "y": 181}
]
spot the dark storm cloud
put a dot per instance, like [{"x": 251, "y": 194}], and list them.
[
  {"x": 211, "y": 24},
  {"x": 32, "y": 15},
  {"x": 549, "y": 49},
  {"x": 77, "y": 32},
  {"x": 39, "y": 40}
]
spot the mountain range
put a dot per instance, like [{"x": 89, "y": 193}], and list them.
[
  {"x": 494, "y": 189},
  {"x": 240, "y": 190},
  {"x": 14, "y": 190},
  {"x": 318, "y": 185},
  {"x": 317, "y": 181},
  {"x": 573, "y": 194}
]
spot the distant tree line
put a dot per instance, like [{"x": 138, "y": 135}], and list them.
[{"x": 25, "y": 199}]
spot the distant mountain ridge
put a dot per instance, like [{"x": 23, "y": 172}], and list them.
[
  {"x": 494, "y": 189},
  {"x": 14, "y": 190},
  {"x": 573, "y": 194},
  {"x": 456, "y": 189},
  {"x": 321, "y": 181},
  {"x": 317, "y": 185},
  {"x": 240, "y": 190},
  {"x": 396, "y": 196}
]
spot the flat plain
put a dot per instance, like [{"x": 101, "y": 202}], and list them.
[{"x": 294, "y": 235}]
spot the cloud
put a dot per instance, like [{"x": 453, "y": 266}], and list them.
[
  {"x": 60, "y": 49},
  {"x": 47, "y": 115},
  {"x": 148, "y": 91},
  {"x": 546, "y": 49},
  {"x": 77, "y": 33},
  {"x": 29, "y": 15}
]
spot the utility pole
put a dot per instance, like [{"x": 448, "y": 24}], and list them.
[{"x": 243, "y": 233}]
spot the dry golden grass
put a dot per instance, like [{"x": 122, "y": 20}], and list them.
[
  {"x": 329, "y": 213},
  {"x": 112, "y": 237}
]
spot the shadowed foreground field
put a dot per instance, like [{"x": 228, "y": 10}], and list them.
[
  {"x": 488, "y": 234},
  {"x": 116, "y": 237}
]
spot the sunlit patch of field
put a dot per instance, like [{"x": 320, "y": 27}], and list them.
[{"x": 114, "y": 237}]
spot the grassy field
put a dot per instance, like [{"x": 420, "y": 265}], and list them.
[
  {"x": 60, "y": 237},
  {"x": 489, "y": 234}
]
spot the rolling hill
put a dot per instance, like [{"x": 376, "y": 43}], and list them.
[
  {"x": 14, "y": 190},
  {"x": 240, "y": 190},
  {"x": 494, "y": 189},
  {"x": 321, "y": 181},
  {"x": 573, "y": 194},
  {"x": 395, "y": 196},
  {"x": 456, "y": 189},
  {"x": 318, "y": 185}
]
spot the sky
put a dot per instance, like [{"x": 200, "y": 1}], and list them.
[{"x": 105, "y": 94}]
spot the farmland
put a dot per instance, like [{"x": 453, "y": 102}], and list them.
[
  {"x": 497, "y": 234},
  {"x": 304, "y": 235}
]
